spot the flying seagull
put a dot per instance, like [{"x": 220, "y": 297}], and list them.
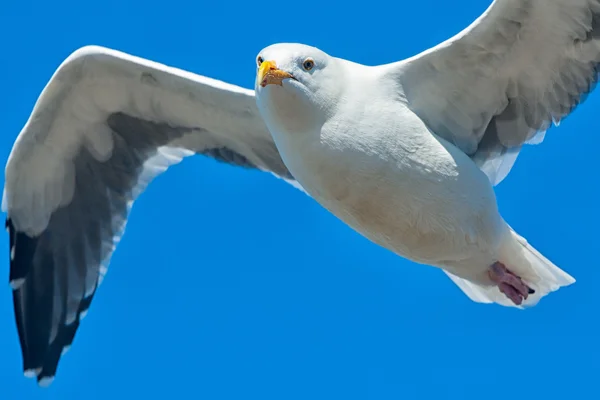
[{"x": 405, "y": 153}]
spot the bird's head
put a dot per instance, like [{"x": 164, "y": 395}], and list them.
[{"x": 297, "y": 87}]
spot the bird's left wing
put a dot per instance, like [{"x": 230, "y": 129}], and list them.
[
  {"x": 502, "y": 81},
  {"x": 105, "y": 125}
]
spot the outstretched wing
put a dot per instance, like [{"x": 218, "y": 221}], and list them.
[
  {"x": 501, "y": 82},
  {"x": 106, "y": 124}
]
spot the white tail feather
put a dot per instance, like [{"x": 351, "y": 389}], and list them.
[{"x": 521, "y": 258}]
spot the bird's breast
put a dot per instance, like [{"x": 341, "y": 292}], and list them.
[{"x": 421, "y": 207}]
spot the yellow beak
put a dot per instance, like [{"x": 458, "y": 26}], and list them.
[{"x": 269, "y": 74}]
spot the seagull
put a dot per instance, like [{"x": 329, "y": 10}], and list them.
[{"x": 406, "y": 153}]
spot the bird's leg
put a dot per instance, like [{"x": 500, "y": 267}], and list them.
[{"x": 509, "y": 284}]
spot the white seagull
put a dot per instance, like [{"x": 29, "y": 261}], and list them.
[{"x": 406, "y": 153}]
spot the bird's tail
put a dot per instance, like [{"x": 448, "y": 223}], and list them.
[{"x": 522, "y": 259}]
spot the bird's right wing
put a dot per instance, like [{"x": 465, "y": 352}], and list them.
[
  {"x": 105, "y": 125},
  {"x": 503, "y": 80}
]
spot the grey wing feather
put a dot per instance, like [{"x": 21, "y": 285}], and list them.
[
  {"x": 503, "y": 81},
  {"x": 106, "y": 124}
]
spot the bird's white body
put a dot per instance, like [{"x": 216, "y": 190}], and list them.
[
  {"x": 368, "y": 158},
  {"x": 377, "y": 167}
]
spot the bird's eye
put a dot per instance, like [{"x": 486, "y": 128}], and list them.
[
  {"x": 308, "y": 64},
  {"x": 259, "y": 60}
]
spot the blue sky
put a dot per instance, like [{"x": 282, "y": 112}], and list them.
[{"x": 230, "y": 284}]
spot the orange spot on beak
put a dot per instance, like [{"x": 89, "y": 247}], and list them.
[{"x": 269, "y": 74}]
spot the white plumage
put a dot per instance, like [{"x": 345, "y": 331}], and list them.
[{"x": 405, "y": 153}]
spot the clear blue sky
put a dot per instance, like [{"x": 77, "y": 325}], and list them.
[{"x": 230, "y": 284}]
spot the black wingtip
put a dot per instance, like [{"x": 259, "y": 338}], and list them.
[
  {"x": 32, "y": 276},
  {"x": 57, "y": 348},
  {"x": 33, "y": 301},
  {"x": 62, "y": 342},
  {"x": 20, "y": 264}
]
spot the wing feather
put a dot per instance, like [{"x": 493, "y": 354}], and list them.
[
  {"x": 104, "y": 127},
  {"x": 501, "y": 83}
]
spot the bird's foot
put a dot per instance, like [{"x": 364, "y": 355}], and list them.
[{"x": 509, "y": 284}]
